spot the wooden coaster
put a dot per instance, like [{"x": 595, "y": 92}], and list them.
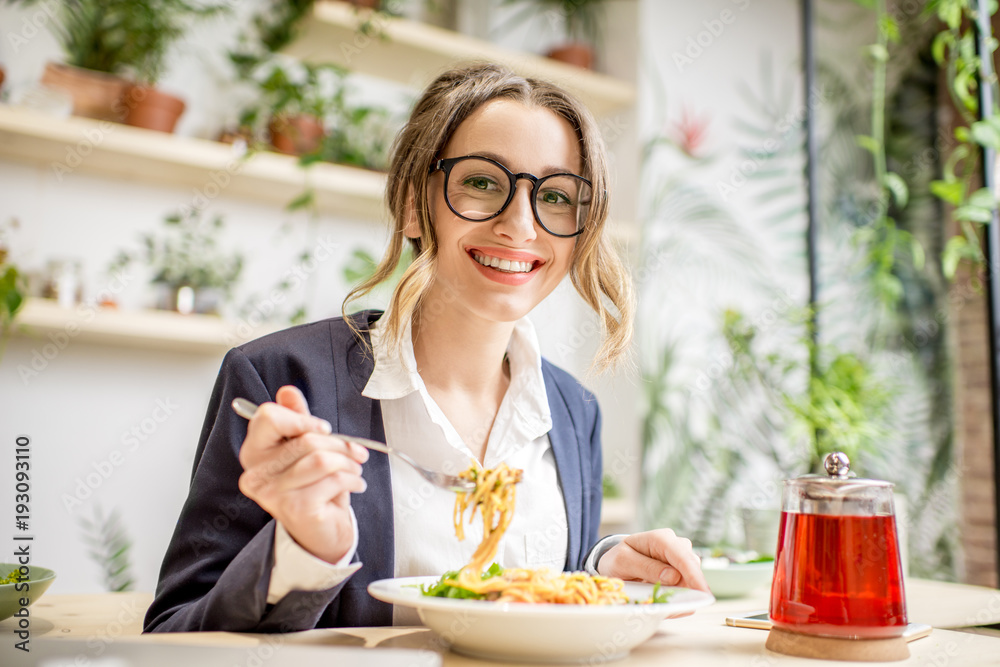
[{"x": 833, "y": 648}]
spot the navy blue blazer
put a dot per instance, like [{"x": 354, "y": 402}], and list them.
[{"x": 217, "y": 568}]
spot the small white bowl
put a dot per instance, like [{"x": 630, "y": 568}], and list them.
[{"x": 728, "y": 579}]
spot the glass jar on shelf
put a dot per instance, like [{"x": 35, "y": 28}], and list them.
[{"x": 64, "y": 282}]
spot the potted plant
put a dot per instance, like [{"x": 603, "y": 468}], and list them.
[
  {"x": 294, "y": 101},
  {"x": 581, "y": 20},
  {"x": 105, "y": 42},
  {"x": 192, "y": 272},
  {"x": 360, "y": 137},
  {"x": 156, "y": 25}
]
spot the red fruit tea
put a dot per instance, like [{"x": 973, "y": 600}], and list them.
[{"x": 838, "y": 576}]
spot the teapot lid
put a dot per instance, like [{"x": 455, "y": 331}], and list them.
[
  {"x": 839, "y": 478},
  {"x": 839, "y": 492}
]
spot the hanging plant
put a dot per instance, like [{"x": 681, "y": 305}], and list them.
[
  {"x": 883, "y": 240},
  {"x": 954, "y": 50}
]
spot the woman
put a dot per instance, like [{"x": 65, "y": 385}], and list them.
[{"x": 499, "y": 184}]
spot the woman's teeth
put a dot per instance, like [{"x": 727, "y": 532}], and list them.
[{"x": 504, "y": 264}]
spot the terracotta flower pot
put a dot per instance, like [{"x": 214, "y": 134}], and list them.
[
  {"x": 370, "y": 4},
  {"x": 3, "y": 75},
  {"x": 152, "y": 109},
  {"x": 576, "y": 53},
  {"x": 95, "y": 94},
  {"x": 296, "y": 135}
]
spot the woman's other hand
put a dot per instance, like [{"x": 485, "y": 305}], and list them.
[
  {"x": 301, "y": 475},
  {"x": 654, "y": 556}
]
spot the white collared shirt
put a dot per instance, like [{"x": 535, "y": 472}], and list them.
[
  {"x": 425, "y": 542},
  {"x": 424, "y": 533}
]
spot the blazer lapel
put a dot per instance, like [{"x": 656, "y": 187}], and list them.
[
  {"x": 362, "y": 416},
  {"x": 566, "y": 450}
]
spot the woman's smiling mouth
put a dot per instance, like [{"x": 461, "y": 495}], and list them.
[{"x": 505, "y": 266}]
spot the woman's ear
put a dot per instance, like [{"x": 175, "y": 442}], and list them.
[{"x": 411, "y": 222}]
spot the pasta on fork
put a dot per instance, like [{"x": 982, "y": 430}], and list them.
[{"x": 494, "y": 498}]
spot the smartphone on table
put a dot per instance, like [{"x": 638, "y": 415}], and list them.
[{"x": 760, "y": 621}]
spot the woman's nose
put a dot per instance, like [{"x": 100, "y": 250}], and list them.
[{"x": 517, "y": 222}]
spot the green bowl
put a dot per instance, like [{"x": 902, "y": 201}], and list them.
[
  {"x": 735, "y": 580},
  {"x": 39, "y": 580}
]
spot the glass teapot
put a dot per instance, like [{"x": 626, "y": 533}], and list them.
[{"x": 837, "y": 568}]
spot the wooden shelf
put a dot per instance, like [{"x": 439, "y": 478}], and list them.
[
  {"x": 414, "y": 53},
  {"x": 145, "y": 329},
  {"x": 207, "y": 167}
]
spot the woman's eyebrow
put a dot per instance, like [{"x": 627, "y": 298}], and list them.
[{"x": 544, "y": 172}]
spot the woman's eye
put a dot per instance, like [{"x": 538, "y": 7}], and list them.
[
  {"x": 479, "y": 183},
  {"x": 552, "y": 197}
]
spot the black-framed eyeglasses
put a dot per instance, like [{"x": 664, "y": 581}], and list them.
[{"x": 478, "y": 188}]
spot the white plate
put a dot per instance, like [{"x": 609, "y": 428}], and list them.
[{"x": 522, "y": 632}]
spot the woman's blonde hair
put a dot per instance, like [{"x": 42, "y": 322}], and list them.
[{"x": 596, "y": 271}]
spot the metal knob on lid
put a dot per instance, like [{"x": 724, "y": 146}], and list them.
[{"x": 837, "y": 465}]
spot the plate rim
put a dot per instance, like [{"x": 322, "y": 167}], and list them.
[{"x": 699, "y": 599}]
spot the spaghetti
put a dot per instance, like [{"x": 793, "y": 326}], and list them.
[{"x": 494, "y": 496}]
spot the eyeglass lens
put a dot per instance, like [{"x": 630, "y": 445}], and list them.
[{"x": 477, "y": 189}]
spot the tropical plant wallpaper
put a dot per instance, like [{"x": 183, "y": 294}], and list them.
[{"x": 741, "y": 391}]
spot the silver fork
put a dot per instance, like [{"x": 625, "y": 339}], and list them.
[{"x": 246, "y": 409}]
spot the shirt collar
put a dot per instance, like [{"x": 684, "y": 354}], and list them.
[
  {"x": 396, "y": 376},
  {"x": 393, "y": 376}
]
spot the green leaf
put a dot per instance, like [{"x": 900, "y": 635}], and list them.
[
  {"x": 941, "y": 42},
  {"x": 962, "y": 134},
  {"x": 973, "y": 213},
  {"x": 962, "y": 84},
  {"x": 656, "y": 597},
  {"x": 897, "y": 186},
  {"x": 951, "y": 14},
  {"x": 308, "y": 159},
  {"x": 868, "y": 143},
  {"x": 982, "y": 198},
  {"x": 954, "y": 250},
  {"x": 949, "y": 191},
  {"x": 986, "y": 134},
  {"x": 304, "y": 200},
  {"x": 761, "y": 559},
  {"x": 961, "y": 152},
  {"x": 888, "y": 26}
]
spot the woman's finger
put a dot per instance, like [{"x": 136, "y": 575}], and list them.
[
  {"x": 313, "y": 467},
  {"x": 315, "y": 501},
  {"x": 271, "y": 426},
  {"x": 627, "y": 563},
  {"x": 291, "y": 397},
  {"x": 665, "y": 546},
  {"x": 268, "y": 466}
]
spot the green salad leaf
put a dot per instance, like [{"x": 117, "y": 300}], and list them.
[
  {"x": 761, "y": 559},
  {"x": 447, "y": 586},
  {"x": 656, "y": 597}
]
